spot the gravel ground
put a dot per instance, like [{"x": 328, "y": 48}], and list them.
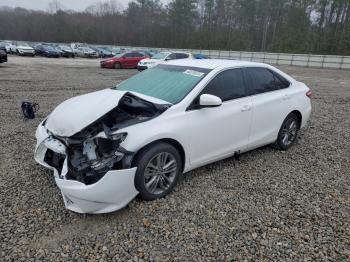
[{"x": 269, "y": 205}]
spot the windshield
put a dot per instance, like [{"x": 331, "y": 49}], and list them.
[
  {"x": 160, "y": 56},
  {"x": 165, "y": 82}
]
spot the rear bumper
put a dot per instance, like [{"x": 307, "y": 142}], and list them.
[
  {"x": 112, "y": 192},
  {"x": 52, "y": 55},
  {"x": 306, "y": 114}
]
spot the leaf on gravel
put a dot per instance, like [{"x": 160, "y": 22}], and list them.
[{"x": 146, "y": 222}]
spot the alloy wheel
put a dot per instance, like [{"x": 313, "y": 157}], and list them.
[
  {"x": 160, "y": 173},
  {"x": 289, "y": 132}
]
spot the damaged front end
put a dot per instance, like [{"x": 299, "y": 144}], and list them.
[{"x": 92, "y": 169}]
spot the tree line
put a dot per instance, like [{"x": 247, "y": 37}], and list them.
[{"x": 291, "y": 26}]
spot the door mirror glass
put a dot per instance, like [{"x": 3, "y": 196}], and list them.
[{"x": 207, "y": 100}]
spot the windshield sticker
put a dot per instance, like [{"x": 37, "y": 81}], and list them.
[{"x": 193, "y": 73}]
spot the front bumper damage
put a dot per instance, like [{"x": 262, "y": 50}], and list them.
[{"x": 113, "y": 191}]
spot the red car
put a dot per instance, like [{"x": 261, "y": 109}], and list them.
[{"x": 126, "y": 60}]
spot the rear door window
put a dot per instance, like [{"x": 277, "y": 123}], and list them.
[
  {"x": 181, "y": 55},
  {"x": 263, "y": 80},
  {"x": 280, "y": 81}
]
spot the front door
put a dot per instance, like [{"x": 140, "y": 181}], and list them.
[{"x": 217, "y": 132}]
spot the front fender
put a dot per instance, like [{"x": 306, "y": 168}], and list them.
[{"x": 143, "y": 134}]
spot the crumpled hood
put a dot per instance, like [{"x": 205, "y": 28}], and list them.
[
  {"x": 78, "y": 112},
  {"x": 74, "y": 114}
]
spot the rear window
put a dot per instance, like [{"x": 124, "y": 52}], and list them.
[{"x": 165, "y": 82}]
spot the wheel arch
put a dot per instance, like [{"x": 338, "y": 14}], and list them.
[
  {"x": 170, "y": 141},
  {"x": 298, "y": 115}
]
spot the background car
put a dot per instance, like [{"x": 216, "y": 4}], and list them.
[
  {"x": 102, "y": 52},
  {"x": 3, "y": 55},
  {"x": 65, "y": 51},
  {"x": 126, "y": 60},
  {"x": 200, "y": 56},
  {"x": 117, "y": 50},
  {"x": 5, "y": 46},
  {"x": 22, "y": 48},
  {"x": 46, "y": 50},
  {"x": 86, "y": 52},
  {"x": 160, "y": 57},
  {"x": 75, "y": 46}
]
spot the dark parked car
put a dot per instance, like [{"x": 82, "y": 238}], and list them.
[
  {"x": 65, "y": 51},
  {"x": 126, "y": 60},
  {"x": 46, "y": 50},
  {"x": 102, "y": 52},
  {"x": 3, "y": 56}
]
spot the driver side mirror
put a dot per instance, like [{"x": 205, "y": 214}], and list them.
[{"x": 207, "y": 100}]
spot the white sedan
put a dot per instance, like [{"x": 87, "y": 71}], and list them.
[
  {"x": 137, "y": 138},
  {"x": 161, "y": 57}
]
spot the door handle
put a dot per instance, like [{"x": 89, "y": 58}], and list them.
[
  {"x": 285, "y": 97},
  {"x": 245, "y": 108}
]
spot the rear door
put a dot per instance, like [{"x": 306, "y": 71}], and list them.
[
  {"x": 127, "y": 60},
  {"x": 218, "y": 132},
  {"x": 137, "y": 58},
  {"x": 271, "y": 104}
]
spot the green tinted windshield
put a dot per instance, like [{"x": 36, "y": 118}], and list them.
[{"x": 165, "y": 82}]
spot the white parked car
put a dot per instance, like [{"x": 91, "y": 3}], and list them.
[
  {"x": 86, "y": 52},
  {"x": 22, "y": 48},
  {"x": 161, "y": 57},
  {"x": 108, "y": 146},
  {"x": 75, "y": 46}
]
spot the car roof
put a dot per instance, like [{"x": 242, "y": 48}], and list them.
[{"x": 212, "y": 63}]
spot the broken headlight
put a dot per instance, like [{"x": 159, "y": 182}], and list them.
[{"x": 118, "y": 137}]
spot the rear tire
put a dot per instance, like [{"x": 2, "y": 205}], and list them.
[
  {"x": 288, "y": 132},
  {"x": 158, "y": 170}
]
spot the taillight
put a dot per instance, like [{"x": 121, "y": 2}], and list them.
[{"x": 309, "y": 94}]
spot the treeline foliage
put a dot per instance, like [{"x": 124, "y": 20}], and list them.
[{"x": 294, "y": 26}]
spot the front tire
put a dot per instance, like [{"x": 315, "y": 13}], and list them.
[
  {"x": 288, "y": 132},
  {"x": 117, "y": 65},
  {"x": 158, "y": 170}
]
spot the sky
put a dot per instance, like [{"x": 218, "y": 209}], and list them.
[{"x": 77, "y": 5}]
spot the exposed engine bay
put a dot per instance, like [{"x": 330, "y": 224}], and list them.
[{"x": 96, "y": 149}]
